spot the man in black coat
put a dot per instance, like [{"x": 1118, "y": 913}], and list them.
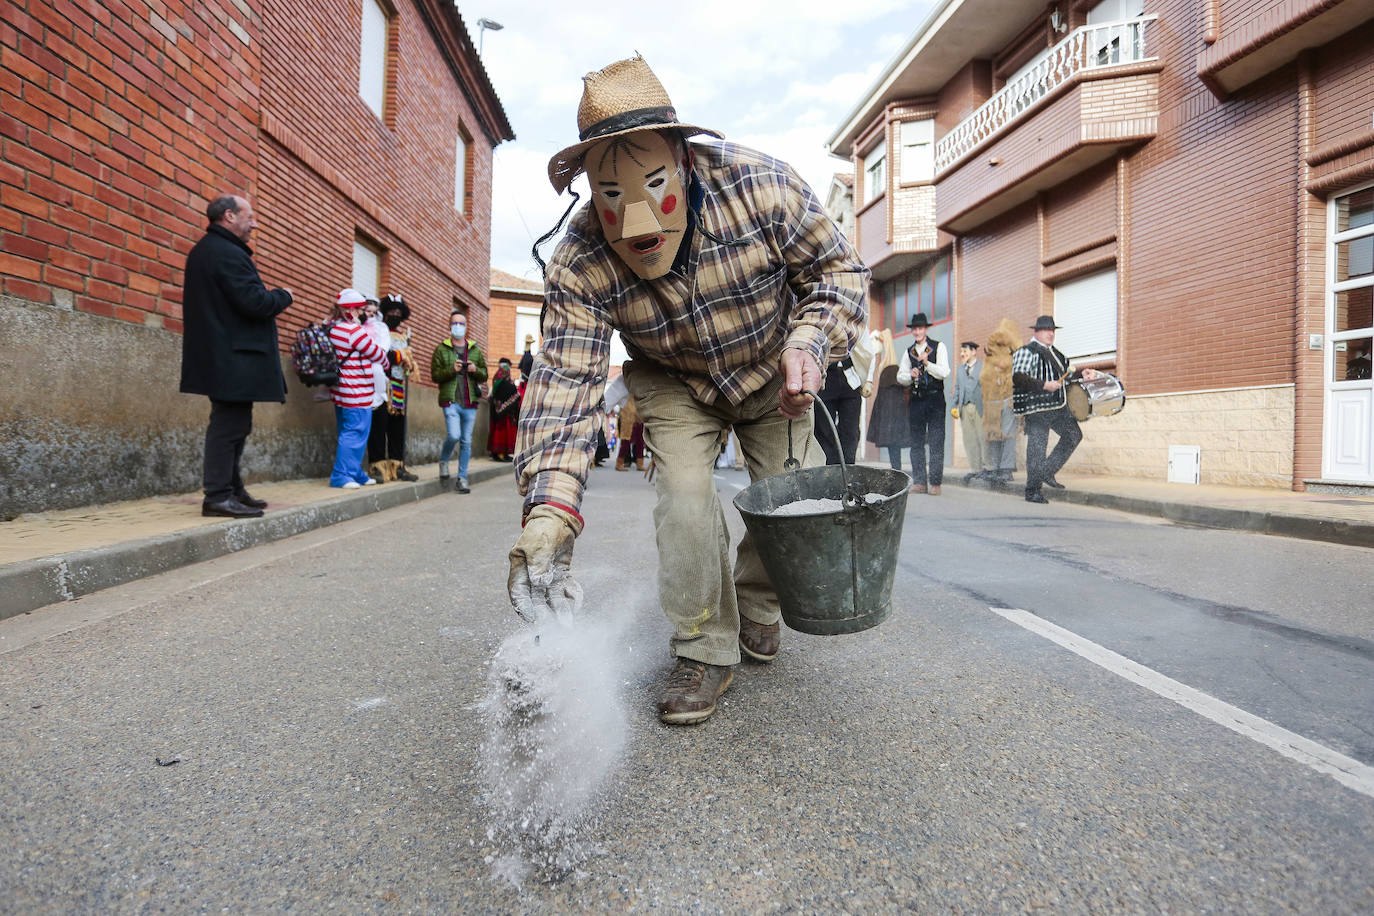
[{"x": 229, "y": 348}]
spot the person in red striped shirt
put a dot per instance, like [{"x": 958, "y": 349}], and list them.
[{"x": 357, "y": 353}]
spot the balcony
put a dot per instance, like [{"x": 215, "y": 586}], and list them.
[
  {"x": 1094, "y": 93},
  {"x": 1087, "y": 48}
]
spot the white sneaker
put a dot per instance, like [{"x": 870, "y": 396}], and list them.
[
  {"x": 351, "y": 485},
  {"x": 367, "y": 483}
]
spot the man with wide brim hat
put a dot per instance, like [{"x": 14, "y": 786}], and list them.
[
  {"x": 732, "y": 290},
  {"x": 1039, "y": 373},
  {"x": 923, "y": 368}
]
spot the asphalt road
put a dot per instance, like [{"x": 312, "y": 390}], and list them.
[{"x": 328, "y": 705}]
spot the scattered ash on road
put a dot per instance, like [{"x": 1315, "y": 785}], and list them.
[{"x": 556, "y": 728}]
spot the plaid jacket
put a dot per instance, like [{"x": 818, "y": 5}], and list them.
[
  {"x": 779, "y": 273},
  {"x": 1044, "y": 364}
]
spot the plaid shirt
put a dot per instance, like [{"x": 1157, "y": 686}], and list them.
[
  {"x": 785, "y": 277},
  {"x": 1044, "y": 364}
]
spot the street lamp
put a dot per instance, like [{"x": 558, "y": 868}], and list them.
[{"x": 482, "y": 25}]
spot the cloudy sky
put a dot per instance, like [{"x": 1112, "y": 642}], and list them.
[{"x": 777, "y": 75}]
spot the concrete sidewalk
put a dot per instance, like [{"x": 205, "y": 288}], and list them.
[
  {"x": 1342, "y": 519},
  {"x": 58, "y": 556}
]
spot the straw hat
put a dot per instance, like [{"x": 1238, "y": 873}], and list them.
[{"x": 621, "y": 99}]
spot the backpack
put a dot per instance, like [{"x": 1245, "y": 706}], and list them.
[{"x": 313, "y": 357}]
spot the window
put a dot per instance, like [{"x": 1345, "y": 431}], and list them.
[
  {"x": 918, "y": 151},
  {"x": 940, "y": 309},
  {"x": 367, "y": 268},
  {"x": 875, "y": 172},
  {"x": 1107, "y": 42},
  {"x": 1086, "y": 308},
  {"x": 460, "y": 170},
  {"x": 372, "y": 56}
]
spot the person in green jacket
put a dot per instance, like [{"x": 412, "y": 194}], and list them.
[{"x": 459, "y": 367}]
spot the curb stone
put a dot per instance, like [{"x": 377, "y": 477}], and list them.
[
  {"x": 31, "y": 584},
  {"x": 1336, "y": 531}
]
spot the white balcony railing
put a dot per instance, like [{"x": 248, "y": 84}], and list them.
[{"x": 1090, "y": 47}]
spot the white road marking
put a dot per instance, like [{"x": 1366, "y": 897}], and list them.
[{"x": 1348, "y": 771}]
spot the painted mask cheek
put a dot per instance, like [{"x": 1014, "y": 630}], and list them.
[
  {"x": 669, "y": 204},
  {"x": 608, "y": 217}
]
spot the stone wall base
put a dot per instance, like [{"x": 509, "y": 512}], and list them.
[
  {"x": 94, "y": 416},
  {"x": 1246, "y": 437}
]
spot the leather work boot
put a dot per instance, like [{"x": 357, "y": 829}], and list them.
[
  {"x": 917, "y": 488},
  {"x": 621, "y": 465},
  {"x": 639, "y": 463},
  {"x": 690, "y": 695},
  {"x": 934, "y": 489},
  {"x": 759, "y": 641}
]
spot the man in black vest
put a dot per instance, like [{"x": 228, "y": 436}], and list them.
[
  {"x": 229, "y": 348},
  {"x": 1039, "y": 373},
  {"x": 923, "y": 369}
]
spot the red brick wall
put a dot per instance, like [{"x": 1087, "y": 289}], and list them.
[
  {"x": 1344, "y": 73},
  {"x": 1001, "y": 274},
  {"x": 503, "y": 311},
  {"x": 332, "y": 168},
  {"x": 961, "y": 96},
  {"x": 1081, "y": 212},
  {"x": 1211, "y": 228},
  {"x": 118, "y": 122}
]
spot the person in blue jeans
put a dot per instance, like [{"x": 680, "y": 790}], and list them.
[{"x": 459, "y": 367}]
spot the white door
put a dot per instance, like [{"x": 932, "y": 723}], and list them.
[{"x": 1349, "y": 418}]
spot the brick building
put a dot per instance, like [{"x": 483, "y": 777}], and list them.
[
  {"x": 362, "y": 130},
  {"x": 515, "y": 305},
  {"x": 1187, "y": 185}
]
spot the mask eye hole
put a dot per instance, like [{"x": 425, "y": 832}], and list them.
[
  {"x": 610, "y": 195},
  {"x": 657, "y": 183}
]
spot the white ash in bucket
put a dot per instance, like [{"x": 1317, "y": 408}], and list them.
[{"x": 820, "y": 506}]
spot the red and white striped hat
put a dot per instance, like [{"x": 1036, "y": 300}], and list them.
[{"x": 351, "y": 298}]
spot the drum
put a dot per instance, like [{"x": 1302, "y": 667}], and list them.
[{"x": 1099, "y": 397}]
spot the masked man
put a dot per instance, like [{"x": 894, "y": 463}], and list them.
[{"x": 731, "y": 289}]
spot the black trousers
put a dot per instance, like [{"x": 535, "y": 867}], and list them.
[
  {"x": 1038, "y": 426},
  {"x": 927, "y": 417},
  {"x": 387, "y": 437},
  {"x": 845, "y": 412},
  {"x": 230, "y": 424}
]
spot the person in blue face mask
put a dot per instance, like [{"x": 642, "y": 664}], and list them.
[{"x": 458, "y": 367}]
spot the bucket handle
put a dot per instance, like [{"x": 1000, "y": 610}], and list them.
[{"x": 851, "y": 499}]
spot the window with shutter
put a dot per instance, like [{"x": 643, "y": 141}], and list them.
[{"x": 1085, "y": 308}]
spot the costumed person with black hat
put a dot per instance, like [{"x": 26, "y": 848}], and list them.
[
  {"x": 731, "y": 289},
  {"x": 923, "y": 368},
  {"x": 387, "y": 439},
  {"x": 504, "y": 404},
  {"x": 1039, "y": 373}
]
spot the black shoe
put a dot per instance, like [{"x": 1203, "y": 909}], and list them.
[
  {"x": 1036, "y": 497},
  {"x": 1051, "y": 482},
  {"x": 250, "y": 502},
  {"x": 229, "y": 508},
  {"x": 407, "y": 475}
]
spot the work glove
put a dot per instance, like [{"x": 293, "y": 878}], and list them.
[{"x": 540, "y": 582}]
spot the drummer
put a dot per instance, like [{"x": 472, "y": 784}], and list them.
[{"x": 1039, "y": 374}]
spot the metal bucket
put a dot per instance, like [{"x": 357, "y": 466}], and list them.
[{"x": 832, "y": 571}]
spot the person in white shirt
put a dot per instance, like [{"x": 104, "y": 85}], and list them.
[{"x": 923, "y": 369}]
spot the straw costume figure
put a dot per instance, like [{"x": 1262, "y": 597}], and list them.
[
  {"x": 999, "y": 422},
  {"x": 731, "y": 289}
]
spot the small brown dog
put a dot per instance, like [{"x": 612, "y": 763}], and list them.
[{"x": 384, "y": 470}]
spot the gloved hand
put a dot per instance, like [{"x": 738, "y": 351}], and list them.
[{"x": 540, "y": 582}]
